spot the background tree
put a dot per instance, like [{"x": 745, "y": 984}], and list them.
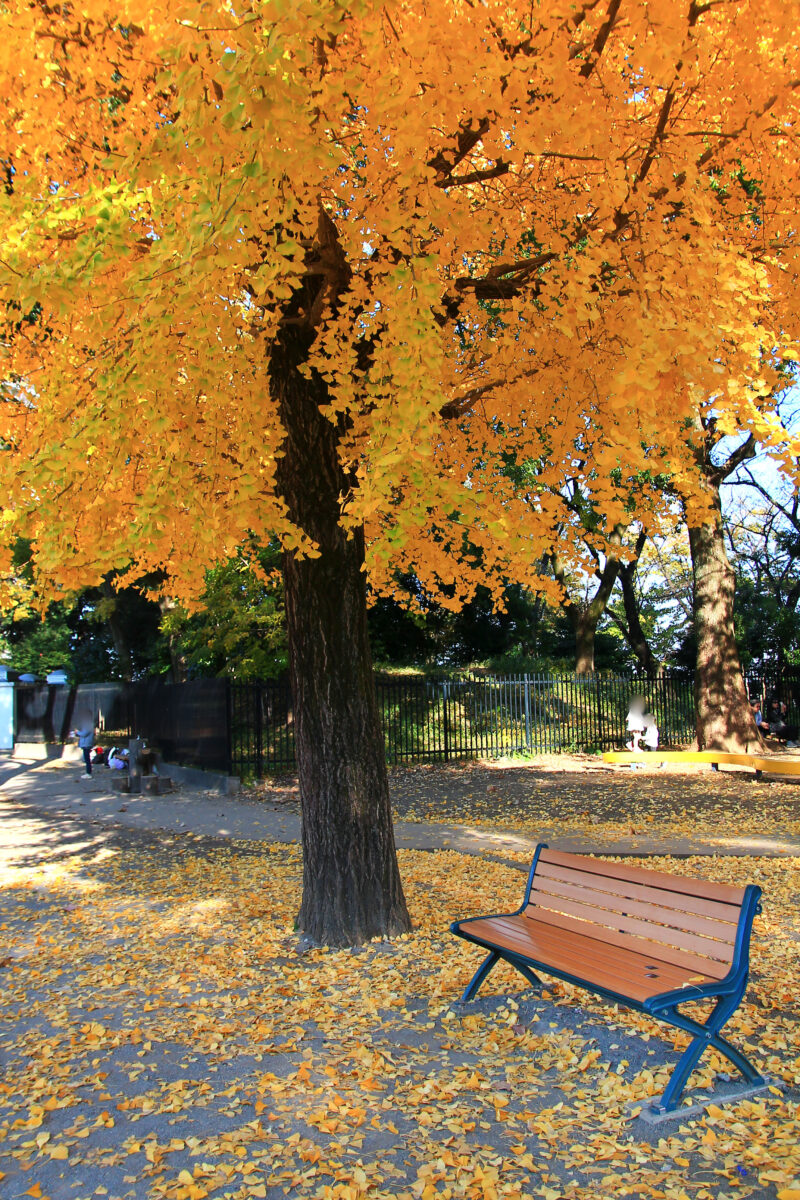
[
  {"x": 628, "y": 617},
  {"x": 722, "y": 708},
  {"x": 588, "y": 556},
  {"x": 653, "y": 606},
  {"x": 238, "y": 628},
  {"x": 243, "y": 260},
  {"x": 763, "y": 538}
]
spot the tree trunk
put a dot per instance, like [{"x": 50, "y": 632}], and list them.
[
  {"x": 724, "y": 719},
  {"x": 585, "y": 628},
  {"x": 179, "y": 668},
  {"x": 118, "y": 636},
  {"x": 636, "y": 637},
  {"x": 585, "y": 618},
  {"x": 351, "y": 881}
]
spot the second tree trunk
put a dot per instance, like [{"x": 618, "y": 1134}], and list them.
[{"x": 724, "y": 719}]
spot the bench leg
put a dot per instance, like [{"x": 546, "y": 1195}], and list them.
[
  {"x": 477, "y": 979},
  {"x": 531, "y": 976},
  {"x": 483, "y": 970},
  {"x": 705, "y": 1035}
]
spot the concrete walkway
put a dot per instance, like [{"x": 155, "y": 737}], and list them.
[{"x": 53, "y": 789}]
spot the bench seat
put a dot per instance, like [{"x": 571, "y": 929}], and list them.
[
  {"x": 583, "y": 959},
  {"x": 645, "y": 939}
]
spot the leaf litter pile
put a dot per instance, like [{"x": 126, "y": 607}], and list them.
[{"x": 164, "y": 1034}]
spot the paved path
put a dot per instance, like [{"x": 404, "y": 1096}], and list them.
[{"x": 36, "y": 799}]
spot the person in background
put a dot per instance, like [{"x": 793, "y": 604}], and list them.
[
  {"x": 650, "y": 732},
  {"x": 117, "y": 759},
  {"x": 635, "y": 722},
  {"x": 758, "y": 717},
  {"x": 98, "y": 756},
  {"x": 84, "y": 732},
  {"x": 777, "y": 712}
]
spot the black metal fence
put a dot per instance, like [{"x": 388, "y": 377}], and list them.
[
  {"x": 247, "y": 729},
  {"x": 430, "y": 720}
]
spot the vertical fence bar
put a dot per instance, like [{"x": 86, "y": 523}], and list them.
[
  {"x": 446, "y": 723},
  {"x": 258, "y": 713},
  {"x": 229, "y": 723},
  {"x": 496, "y": 713},
  {"x": 528, "y": 737},
  {"x": 600, "y": 689}
]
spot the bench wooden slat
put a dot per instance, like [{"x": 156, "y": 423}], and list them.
[
  {"x": 679, "y": 901},
  {"x": 676, "y": 938},
  {"x": 670, "y": 883},
  {"x": 694, "y": 963},
  {"x": 631, "y": 975},
  {"x": 588, "y": 959},
  {"x": 722, "y": 931},
  {"x": 601, "y": 951}
]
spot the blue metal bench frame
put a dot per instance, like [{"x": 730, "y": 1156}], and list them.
[{"x": 728, "y": 992}]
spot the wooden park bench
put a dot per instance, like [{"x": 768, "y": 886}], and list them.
[
  {"x": 647, "y": 940},
  {"x": 715, "y": 758}
]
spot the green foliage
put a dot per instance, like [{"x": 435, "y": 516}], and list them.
[
  {"x": 528, "y": 635},
  {"x": 240, "y": 629},
  {"x": 36, "y": 647},
  {"x": 764, "y": 547}
]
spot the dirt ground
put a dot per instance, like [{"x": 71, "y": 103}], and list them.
[
  {"x": 578, "y": 793},
  {"x": 164, "y": 1036}
]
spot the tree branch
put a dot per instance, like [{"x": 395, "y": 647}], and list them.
[
  {"x": 735, "y": 459},
  {"x": 460, "y": 406},
  {"x": 601, "y": 38},
  {"x": 501, "y": 168},
  {"x": 504, "y": 280},
  {"x": 658, "y": 136},
  {"x": 445, "y": 162}
]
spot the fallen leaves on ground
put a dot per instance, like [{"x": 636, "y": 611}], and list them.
[
  {"x": 604, "y": 804},
  {"x": 166, "y": 1037}
]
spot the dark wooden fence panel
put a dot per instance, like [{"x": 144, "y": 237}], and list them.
[
  {"x": 188, "y": 722},
  {"x": 48, "y": 712}
]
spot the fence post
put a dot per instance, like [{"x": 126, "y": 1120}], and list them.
[
  {"x": 446, "y": 724},
  {"x": 599, "y": 700}
]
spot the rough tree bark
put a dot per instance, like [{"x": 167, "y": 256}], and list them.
[
  {"x": 179, "y": 668},
  {"x": 118, "y": 635},
  {"x": 724, "y": 719},
  {"x": 351, "y": 881},
  {"x": 584, "y": 626},
  {"x": 723, "y": 715}
]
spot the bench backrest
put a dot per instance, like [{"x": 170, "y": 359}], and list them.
[{"x": 692, "y": 923}]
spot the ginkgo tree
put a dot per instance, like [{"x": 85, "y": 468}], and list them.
[{"x": 276, "y": 268}]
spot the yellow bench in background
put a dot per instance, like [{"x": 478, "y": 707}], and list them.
[{"x": 715, "y": 758}]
